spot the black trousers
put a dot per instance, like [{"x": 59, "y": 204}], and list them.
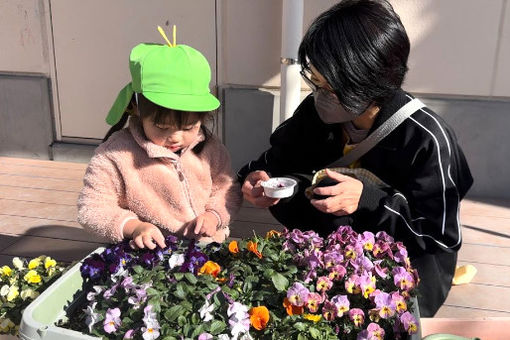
[{"x": 435, "y": 270}]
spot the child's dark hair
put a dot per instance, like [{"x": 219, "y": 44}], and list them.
[
  {"x": 162, "y": 115},
  {"x": 361, "y": 49}
]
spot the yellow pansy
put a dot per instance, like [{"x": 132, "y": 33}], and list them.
[
  {"x": 312, "y": 317},
  {"x": 13, "y": 293},
  {"x": 34, "y": 263},
  {"x": 18, "y": 263},
  {"x": 49, "y": 263},
  {"x": 6, "y": 271},
  {"x": 32, "y": 277}
]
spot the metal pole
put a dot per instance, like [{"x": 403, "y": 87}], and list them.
[{"x": 292, "y": 31}]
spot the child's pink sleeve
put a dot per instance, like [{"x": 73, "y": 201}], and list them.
[
  {"x": 101, "y": 199},
  {"x": 226, "y": 197}
]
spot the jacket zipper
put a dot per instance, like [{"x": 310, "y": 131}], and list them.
[{"x": 184, "y": 183}]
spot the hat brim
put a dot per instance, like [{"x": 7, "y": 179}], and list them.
[
  {"x": 184, "y": 102},
  {"x": 119, "y": 106}
]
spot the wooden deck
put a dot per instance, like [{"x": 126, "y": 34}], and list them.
[{"x": 38, "y": 216}]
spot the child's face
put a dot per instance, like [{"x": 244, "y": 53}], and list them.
[{"x": 170, "y": 136}]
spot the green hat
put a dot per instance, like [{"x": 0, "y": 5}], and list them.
[{"x": 173, "y": 77}]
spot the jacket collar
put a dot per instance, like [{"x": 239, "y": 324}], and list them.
[
  {"x": 389, "y": 107},
  {"x": 153, "y": 150}
]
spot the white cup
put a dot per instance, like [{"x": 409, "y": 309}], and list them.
[{"x": 279, "y": 187}]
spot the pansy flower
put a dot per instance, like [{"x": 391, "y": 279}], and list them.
[
  {"x": 112, "y": 320},
  {"x": 297, "y": 294},
  {"x": 357, "y": 316}
]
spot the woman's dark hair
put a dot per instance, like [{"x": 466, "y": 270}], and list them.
[
  {"x": 361, "y": 48},
  {"x": 162, "y": 115}
]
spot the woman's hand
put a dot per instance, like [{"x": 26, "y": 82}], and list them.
[
  {"x": 254, "y": 193},
  {"x": 144, "y": 234},
  {"x": 344, "y": 196},
  {"x": 205, "y": 224}
]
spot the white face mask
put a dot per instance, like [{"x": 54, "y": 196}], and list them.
[{"x": 329, "y": 108}]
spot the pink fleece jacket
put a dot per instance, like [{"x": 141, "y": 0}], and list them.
[{"x": 131, "y": 177}]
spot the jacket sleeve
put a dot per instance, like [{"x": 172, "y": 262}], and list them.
[
  {"x": 225, "y": 199},
  {"x": 101, "y": 200},
  {"x": 424, "y": 214}
]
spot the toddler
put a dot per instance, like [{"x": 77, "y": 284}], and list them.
[{"x": 164, "y": 173}]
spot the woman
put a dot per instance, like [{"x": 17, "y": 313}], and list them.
[{"x": 354, "y": 57}]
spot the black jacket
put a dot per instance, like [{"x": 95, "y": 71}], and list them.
[{"x": 421, "y": 162}]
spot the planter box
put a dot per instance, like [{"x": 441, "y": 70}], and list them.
[
  {"x": 494, "y": 328},
  {"x": 64, "y": 295},
  {"x": 39, "y": 318}
]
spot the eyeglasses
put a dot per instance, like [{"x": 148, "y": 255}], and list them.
[{"x": 305, "y": 73}]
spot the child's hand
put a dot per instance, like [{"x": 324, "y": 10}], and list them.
[
  {"x": 206, "y": 224},
  {"x": 144, "y": 234}
]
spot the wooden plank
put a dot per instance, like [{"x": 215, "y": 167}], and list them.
[
  {"x": 492, "y": 208},
  {"x": 490, "y": 274},
  {"x": 31, "y": 171},
  {"x": 41, "y": 183},
  {"x": 248, "y": 214},
  {"x": 38, "y": 163},
  {"x": 494, "y": 298},
  {"x": 485, "y": 236},
  {"x": 473, "y": 253},
  {"x": 493, "y": 223},
  {"x": 240, "y": 229},
  {"x": 39, "y": 195},
  {"x": 63, "y": 250},
  {"x": 448, "y": 311},
  {"x": 19, "y": 225},
  {"x": 40, "y": 210}
]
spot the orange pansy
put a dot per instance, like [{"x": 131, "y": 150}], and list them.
[
  {"x": 211, "y": 268},
  {"x": 259, "y": 316},
  {"x": 291, "y": 309},
  {"x": 233, "y": 247},
  {"x": 273, "y": 233},
  {"x": 252, "y": 246}
]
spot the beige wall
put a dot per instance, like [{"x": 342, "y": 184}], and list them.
[
  {"x": 23, "y": 36},
  {"x": 459, "y": 47},
  {"x": 93, "y": 39}
]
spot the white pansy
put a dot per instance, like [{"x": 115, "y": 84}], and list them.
[
  {"x": 223, "y": 337},
  {"x": 176, "y": 260},
  {"x": 18, "y": 263},
  {"x": 205, "y": 311},
  {"x": 29, "y": 293},
  {"x": 4, "y": 290}
]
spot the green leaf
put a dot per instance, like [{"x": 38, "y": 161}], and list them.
[
  {"x": 138, "y": 269},
  {"x": 191, "y": 278},
  {"x": 181, "y": 320},
  {"x": 173, "y": 312},
  {"x": 151, "y": 291},
  {"x": 178, "y": 276},
  {"x": 217, "y": 327},
  {"x": 300, "y": 326},
  {"x": 314, "y": 332},
  {"x": 301, "y": 337},
  {"x": 179, "y": 291},
  {"x": 280, "y": 282},
  {"x": 198, "y": 330}
]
